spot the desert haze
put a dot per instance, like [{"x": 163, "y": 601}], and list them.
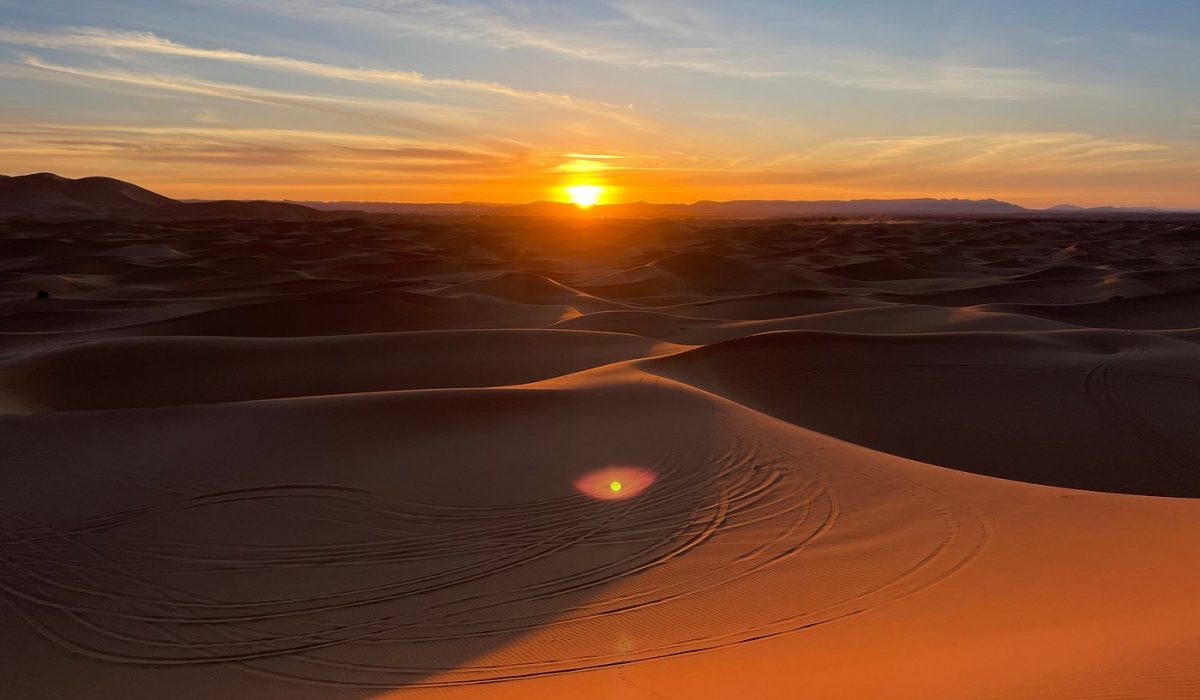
[{"x": 254, "y": 450}]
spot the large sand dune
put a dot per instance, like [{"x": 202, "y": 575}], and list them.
[{"x": 498, "y": 457}]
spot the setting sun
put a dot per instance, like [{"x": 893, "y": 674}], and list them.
[{"x": 584, "y": 196}]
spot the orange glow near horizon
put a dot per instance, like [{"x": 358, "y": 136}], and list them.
[{"x": 847, "y": 170}]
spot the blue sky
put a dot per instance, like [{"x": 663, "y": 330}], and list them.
[{"x": 416, "y": 100}]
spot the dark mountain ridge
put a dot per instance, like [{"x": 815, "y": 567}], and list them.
[{"x": 48, "y": 196}]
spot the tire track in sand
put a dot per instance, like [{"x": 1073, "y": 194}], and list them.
[{"x": 741, "y": 544}]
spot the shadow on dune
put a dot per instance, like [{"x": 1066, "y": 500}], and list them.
[
  {"x": 347, "y": 545},
  {"x": 173, "y": 371},
  {"x": 1088, "y": 409}
]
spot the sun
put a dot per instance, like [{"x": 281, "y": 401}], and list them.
[{"x": 584, "y": 196}]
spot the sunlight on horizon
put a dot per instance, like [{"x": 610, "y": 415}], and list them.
[{"x": 584, "y": 196}]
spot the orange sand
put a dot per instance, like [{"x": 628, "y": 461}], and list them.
[{"x": 375, "y": 458}]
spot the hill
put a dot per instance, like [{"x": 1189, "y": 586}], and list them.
[
  {"x": 43, "y": 194},
  {"x": 1074, "y": 209},
  {"x": 48, "y": 196}
]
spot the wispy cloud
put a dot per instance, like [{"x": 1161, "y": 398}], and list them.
[
  {"x": 674, "y": 36},
  {"x": 963, "y": 81},
  {"x": 92, "y": 39},
  {"x": 1019, "y": 153},
  {"x": 233, "y": 154},
  {"x": 672, "y": 17},
  {"x": 1139, "y": 40},
  {"x": 480, "y": 25},
  {"x": 381, "y": 112}
]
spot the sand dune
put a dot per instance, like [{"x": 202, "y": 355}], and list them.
[
  {"x": 507, "y": 458},
  {"x": 1123, "y": 405},
  {"x": 167, "y": 371},
  {"x": 1157, "y": 312}
]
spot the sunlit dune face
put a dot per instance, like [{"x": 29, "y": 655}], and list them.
[
  {"x": 615, "y": 482},
  {"x": 584, "y": 196}
]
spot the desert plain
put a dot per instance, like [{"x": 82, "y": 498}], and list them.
[{"x": 506, "y": 457}]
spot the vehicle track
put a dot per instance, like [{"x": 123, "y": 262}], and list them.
[{"x": 731, "y": 545}]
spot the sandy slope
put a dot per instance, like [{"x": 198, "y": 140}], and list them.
[{"x": 334, "y": 460}]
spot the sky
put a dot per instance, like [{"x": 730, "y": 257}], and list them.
[{"x": 1034, "y": 102}]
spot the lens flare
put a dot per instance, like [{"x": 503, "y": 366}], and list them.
[{"x": 615, "y": 482}]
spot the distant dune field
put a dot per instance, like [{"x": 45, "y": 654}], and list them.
[{"x": 447, "y": 457}]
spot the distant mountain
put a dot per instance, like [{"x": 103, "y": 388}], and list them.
[
  {"x": 1072, "y": 209},
  {"x": 402, "y": 207},
  {"x": 853, "y": 207},
  {"x": 51, "y": 197},
  {"x": 48, "y": 194},
  {"x": 707, "y": 209}
]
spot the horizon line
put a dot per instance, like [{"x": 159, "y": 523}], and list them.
[{"x": 1064, "y": 202}]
